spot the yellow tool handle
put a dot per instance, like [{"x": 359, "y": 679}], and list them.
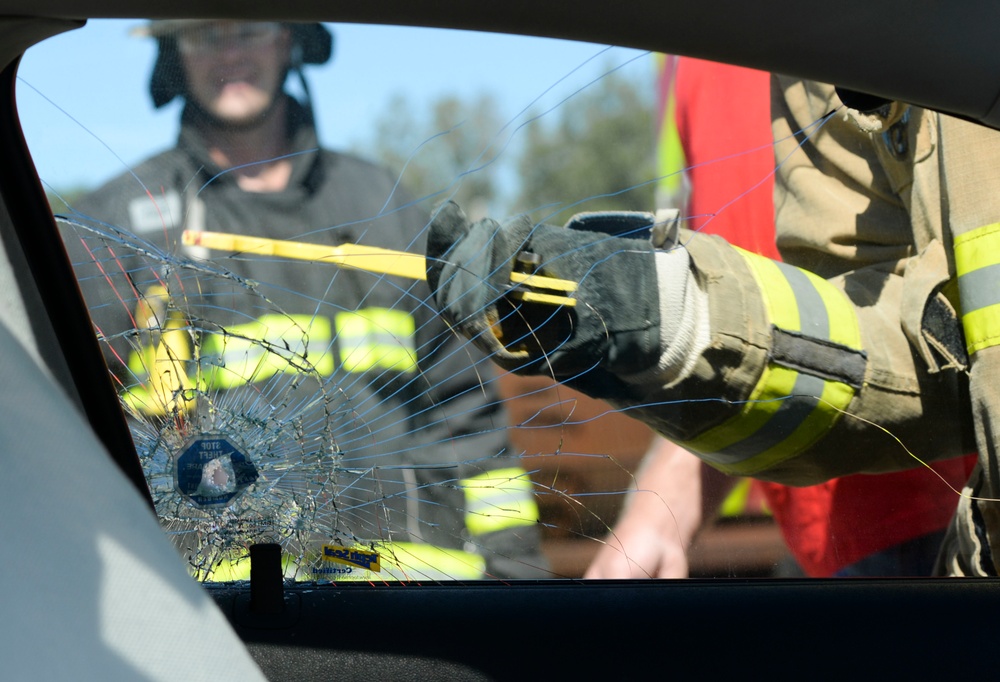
[
  {"x": 542, "y": 282},
  {"x": 368, "y": 258}
]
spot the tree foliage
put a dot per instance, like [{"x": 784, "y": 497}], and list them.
[
  {"x": 62, "y": 200},
  {"x": 596, "y": 154},
  {"x": 595, "y": 151},
  {"x": 448, "y": 154}
]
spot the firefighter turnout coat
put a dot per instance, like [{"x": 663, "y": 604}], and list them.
[
  {"x": 424, "y": 418},
  {"x": 873, "y": 346}
]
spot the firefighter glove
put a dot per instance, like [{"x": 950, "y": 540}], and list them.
[{"x": 612, "y": 331}]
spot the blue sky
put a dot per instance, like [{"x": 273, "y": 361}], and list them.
[{"x": 86, "y": 113}]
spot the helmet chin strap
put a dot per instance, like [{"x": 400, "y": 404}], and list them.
[
  {"x": 306, "y": 93},
  {"x": 296, "y": 66}
]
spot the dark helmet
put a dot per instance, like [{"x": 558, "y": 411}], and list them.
[{"x": 312, "y": 43}]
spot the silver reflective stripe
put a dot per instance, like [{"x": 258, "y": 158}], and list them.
[
  {"x": 813, "y": 317},
  {"x": 977, "y": 262},
  {"x": 270, "y": 345},
  {"x": 376, "y": 339},
  {"x": 499, "y": 499},
  {"x": 980, "y": 288},
  {"x": 155, "y": 215},
  {"x": 795, "y": 401},
  {"x": 791, "y": 413}
]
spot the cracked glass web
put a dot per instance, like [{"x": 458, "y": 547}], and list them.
[{"x": 304, "y": 399}]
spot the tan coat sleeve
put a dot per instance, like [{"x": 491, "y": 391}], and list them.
[{"x": 822, "y": 370}]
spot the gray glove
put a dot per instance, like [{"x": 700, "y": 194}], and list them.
[{"x": 613, "y": 330}]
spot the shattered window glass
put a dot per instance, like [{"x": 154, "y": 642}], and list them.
[
  {"x": 283, "y": 372},
  {"x": 256, "y": 277}
]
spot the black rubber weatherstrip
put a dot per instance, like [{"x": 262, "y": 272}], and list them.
[{"x": 55, "y": 281}]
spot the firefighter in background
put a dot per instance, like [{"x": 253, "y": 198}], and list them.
[
  {"x": 454, "y": 504},
  {"x": 858, "y": 525},
  {"x": 872, "y": 348}
]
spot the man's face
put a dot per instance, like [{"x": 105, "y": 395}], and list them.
[{"x": 234, "y": 69}]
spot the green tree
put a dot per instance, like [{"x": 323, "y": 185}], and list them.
[
  {"x": 62, "y": 199},
  {"x": 448, "y": 154},
  {"x": 596, "y": 154}
]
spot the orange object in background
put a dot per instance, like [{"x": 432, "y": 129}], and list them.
[{"x": 583, "y": 455}]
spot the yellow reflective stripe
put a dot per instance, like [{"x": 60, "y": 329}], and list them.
[
  {"x": 236, "y": 566},
  {"x": 779, "y": 297},
  {"x": 671, "y": 160},
  {"x": 396, "y": 561},
  {"x": 977, "y": 261},
  {"x": 156, "y": 401},
  {"x": 982, "y": 328},
  {"x": 151, "y": 307},
  {"x": 736, "y": 501},
  {"x": 227, "y": 570},
  {"x": 376, "y": 338},
  {"x": 783, "y": 307},
  {"x": 140, "y": 360},
  {"x": 771, "y": 391},
  {"x": 499, "y": 499},
  {"x": 788, "y": 410},
  {"x": 977, "y": 248},
  {"x": 406, "y": 561},
  {"x": 161, "y": 369},
  {"x": 824, "y": 413},
  {"x": 270, "y": 345}
]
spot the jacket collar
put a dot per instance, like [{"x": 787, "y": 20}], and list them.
[{"x": 306, "y": 170}]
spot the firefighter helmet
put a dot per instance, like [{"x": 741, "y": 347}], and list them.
[{"x": 312, "y": 44}]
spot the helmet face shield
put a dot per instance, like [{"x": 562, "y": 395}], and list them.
[
  {"x": 312, "y": 43},
  {"x": 213, "y": 38}
]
